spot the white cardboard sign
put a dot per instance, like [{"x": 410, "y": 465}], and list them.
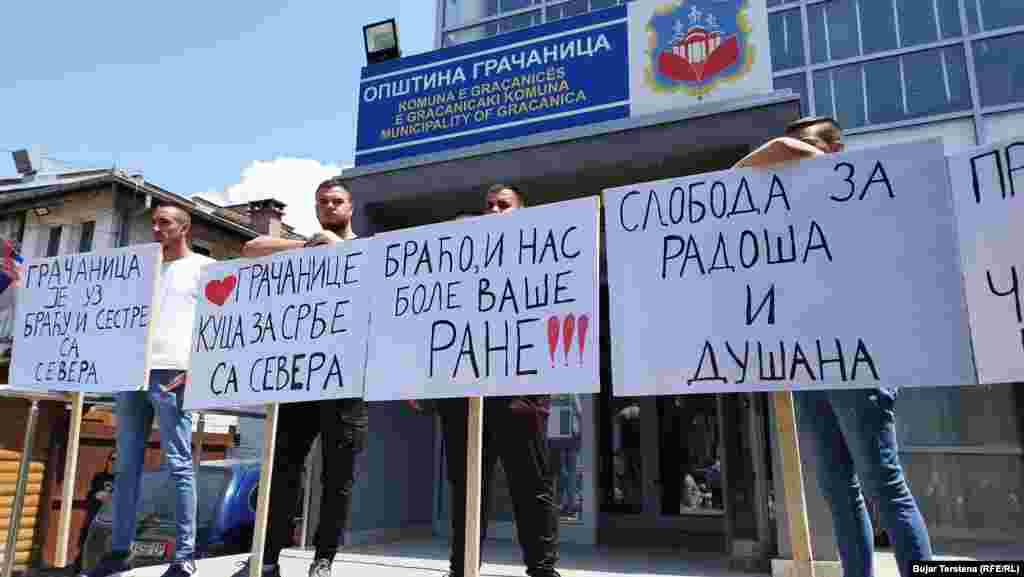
[
  {"x": 988, "y": 185},
  {"x": 83, "y": 321},
  {"x": 490, "y": 306},
  {"x": 837, "y": 272},
  {"x": 283, "y": 328}
]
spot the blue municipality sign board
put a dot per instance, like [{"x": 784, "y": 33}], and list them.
[
  {"x": 563, "y": 74},
  {"x": 632, "y": 60}
]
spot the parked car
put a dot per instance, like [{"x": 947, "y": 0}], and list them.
[{"x": 225, "y": 515}]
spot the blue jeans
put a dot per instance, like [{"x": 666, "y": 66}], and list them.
[
  {"x": 854, "y": 439},
  {"x": 135, "y": 412}
]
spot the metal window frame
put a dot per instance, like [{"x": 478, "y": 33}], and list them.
[{"x": 966, "y": 40}]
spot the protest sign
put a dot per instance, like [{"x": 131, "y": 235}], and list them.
[
  {"x": 991, "y": 219},
  {"x": 839, "y": 271},
  {"x": 83, "y": 321},
  {"x": 284, "y": 328},
  {"x": 495, "y": 305}
]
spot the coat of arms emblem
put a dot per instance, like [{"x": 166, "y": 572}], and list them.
[{"x": 693, "y": 45}]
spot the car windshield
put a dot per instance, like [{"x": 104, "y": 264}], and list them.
[{"x": 157, "y": 492}]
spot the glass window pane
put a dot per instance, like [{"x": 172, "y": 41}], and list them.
[
  {"x": 880, "y": 33},
  {"x": 823, "y": 94},
  {"x": 573, "y": 8},
  {"x": 917, "y": 22},
  {"x": 885, "y": 98},
  {"x": 775, "y": 2},
  {"x": 787, "y": 39},
  {"x": 936, "y": 82},
  {"x": 85, "y": 241},
  {"x": 691, "y": 466},
  {"x": 1000, "y": 67},
  {"x": 470, "y": 34},
  {"x": 972, "y": 16},
  {"x": 841, "y": 16},
  {"x": 819, "y": 39},
  {"x": 949, "y": 17},
  {"x": 997, "y": 14},
  {"x": 795, "y": 83},
  {"x": 461, "y": 12},
  {"x": 623, "y": 479},
  {"x": 509, "y": 5},
  {"x": 519, "y": 21},
  {"x": 566, "y": 443},
  {"x": 849, "y": 90},
  {"x": 599, "y": 4}
]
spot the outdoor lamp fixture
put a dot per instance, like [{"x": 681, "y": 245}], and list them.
[{"x": 381, "y": 40}]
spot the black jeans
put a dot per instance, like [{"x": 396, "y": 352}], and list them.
[
  {"x": 342, "y": 425},
  {"x": 519, "y": 439}
]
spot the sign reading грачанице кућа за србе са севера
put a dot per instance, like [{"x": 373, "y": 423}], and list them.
[{"x": 283, "y": 328}]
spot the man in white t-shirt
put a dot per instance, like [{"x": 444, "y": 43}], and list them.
[{"x": 172, "y": 337}]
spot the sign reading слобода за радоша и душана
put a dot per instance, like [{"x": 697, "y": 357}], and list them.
[{"x": 649, "y": 56}]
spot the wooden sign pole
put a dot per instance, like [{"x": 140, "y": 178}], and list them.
[
  {"x": 474, "y": 452},
  {"x": 19, "y": 491},
  {"x": 793, "y": 484},
  {"x": 70, "y": 474},
  {"x": 259, "y": 535}
]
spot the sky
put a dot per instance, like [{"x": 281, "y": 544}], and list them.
[{"x": 234, "y": 100}]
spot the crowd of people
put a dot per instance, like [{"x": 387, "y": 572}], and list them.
[{"x": 853, "y": 431}]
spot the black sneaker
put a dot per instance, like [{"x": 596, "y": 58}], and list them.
[
  {"x": 181, "y": 569},
  {"x": 110, "y": 566},
  {"x": 243, "y": 570}
]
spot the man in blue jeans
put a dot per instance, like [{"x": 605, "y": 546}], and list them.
[
  {"x": 172, "y": 337},
  {"x": 853, "y": 431}
]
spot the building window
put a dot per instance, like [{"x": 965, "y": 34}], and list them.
[
  {"x": 488, "y": 29},
  {"x": 787, "y": 39},
  {"x": 53, "y": 244},
  {"x": 566, "y": 10},
  {"x": 85, "y": 242},
  {"x": 461, "y": 12},
  {"x": 999, "y": 63},
  {"x": 797, "y": 84},
  {"x": 984, "y": 15},
  {"x": 894, "y": 89}
]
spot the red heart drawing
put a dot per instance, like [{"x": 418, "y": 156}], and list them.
[{"x": 218, "y": 291}]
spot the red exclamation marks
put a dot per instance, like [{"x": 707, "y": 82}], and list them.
[
  {"x": 553, "y": 327},
  {"x": 584, "y": 323},
  {"x": 567, "y": 332}
]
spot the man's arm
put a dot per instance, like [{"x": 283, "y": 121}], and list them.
[
  {"x": 267, "y": 245},
  {"x": 778, "y": 151}
]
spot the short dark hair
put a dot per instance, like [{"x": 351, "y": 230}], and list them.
[
  {"x": 500, "y": 187},
  {"x": 808, "y": 121},
  {"x": 334, "y": 182}
]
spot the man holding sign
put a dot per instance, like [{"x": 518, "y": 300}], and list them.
[
  {"x": 853, "y": 430},
  {"x": 172, "y": 338},
  {"x": 340, "y": 423},
  {"x": 515, "y": 429}
]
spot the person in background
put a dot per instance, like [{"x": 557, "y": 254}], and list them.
[
  {"x": 515, "y": 430},
  {"x": 172, "y": 339},
  {"x": 341, "y": 423},
  {"x": 853, "y": 431},
  {"x": 11, "y": 279}
]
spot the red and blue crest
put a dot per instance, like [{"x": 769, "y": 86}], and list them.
[{"x": 694, "y": 44}]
